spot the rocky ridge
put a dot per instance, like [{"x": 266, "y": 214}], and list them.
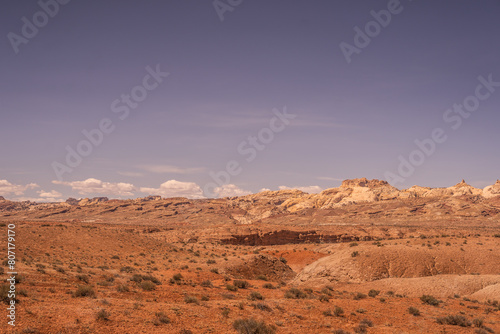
[{"x": 357, "y": 198}]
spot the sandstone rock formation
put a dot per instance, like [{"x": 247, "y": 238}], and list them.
[
  {"x": 492, "y": 191},
  {"x": 361, "y": 199}
]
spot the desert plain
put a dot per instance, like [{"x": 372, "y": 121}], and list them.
[{"x": 361, "y": 258}]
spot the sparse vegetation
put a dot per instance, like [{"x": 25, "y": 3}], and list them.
[
  {"x": 414, "y": 311},
  {"x": 206, "y": 284},
  {"x": 254, "y": 295},
  {"x": 83, "y": 278},
  {"x": 430, "y": 300},
  {"x": 455, "y": 320},
  {"x": 191, "y": 300},
  {"x": 103, "y": 315},
  {"x": 147, "y": 286},
  {"x": 84, "y": 291},
  {"x": 161, "y": 319},
  {"x": 241, "y": 284},
  {"x": 262, "y": 307},
  {"x": 252, "y": 326},
  {"x": 359, "y": 296},
  {"x": 295, "y": 293}
]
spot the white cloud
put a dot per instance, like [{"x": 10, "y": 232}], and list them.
[
  {"x": 165, "y": 169},
  {"x": 91, "y": 186},
  {"x": 264, "y": 189},
  {"x": 173, "y": 188},
  {"x": 7, "y": 188},
  {"x": 308, "y": 189},
  {"x": 49, "y": 194},
  {"x": 38, "y": 200},
  {"x": 230, "y": 190}
]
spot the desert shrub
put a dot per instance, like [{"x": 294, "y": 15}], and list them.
[
  {"x": 455, "y": 320},
  {"x": 254, "y": 295},
  {"x": 215, "y": 270},
  {"x": 206, "y": 284},
  {"x": 60, "y": 270},
  {"x": 366, "y": 322},
  {"x": 122, "y": 288},
  {"x": 252, "y": 326},
  {"x": 4, "y": 293},
  {"x": 225, "y": 312},
  {"x": 295, "y": 293},
  {"x": 103, "y": 315},
  {"x": 328, "y": 313},
  {"x": 115, "y": 257},
  {"x": 282, "y": 259},
  {"x": 340, "y": 331},
  {"x": 241, "y": 284},
  {"x": 354, "y": 254},
  {"x": 363, "y": 326},
  {"x": 353, "y": 244},
  {"x": 151, "y": 278},
  {"x": 205, "y": 298},
  {"x": 414, "y": 311},
  {"x": 262, "y": 307},
  {"x": 231, "y": 287},
  {"x": 478, "y": 322},
  {"x": 373, "y": 293},
  {"x": 160, "y": 319},
  {"x": 84, "y": 291},
  {"x": 338, "y": 311},
  {"x": 127, "y": 269},
  {"x": 359, "y": 296},
  {"x": 324, "y": 298},
  {"x": 262, "y": 277},
  {"x": 191, "y": 300},
  {"x": 136, "y": 278},
  {"x": 430, "y": 300},
  {"x": 268, "y": 286},
  {"x": 177, "y": 277},
  {"x": 147, "y": 285},
  {"x": 22, "y": 292}
]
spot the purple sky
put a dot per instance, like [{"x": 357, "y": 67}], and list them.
[{"x": 228, "y": 80}]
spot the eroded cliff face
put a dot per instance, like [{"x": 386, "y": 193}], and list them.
[{"x": 284, "y": 237}]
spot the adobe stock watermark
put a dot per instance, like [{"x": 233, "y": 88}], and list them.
[
  {"x": 121, "y": 107},
  {"x": 249, "y": 149},
  {"x": 454, "y": 118},
  {"x": 223, "y": 6},
  {"x": 30, "y": 28},
  {"x": 373, "y": 28}
]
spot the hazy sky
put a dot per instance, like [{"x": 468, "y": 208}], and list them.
[{"x": 263, "y": 94}]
